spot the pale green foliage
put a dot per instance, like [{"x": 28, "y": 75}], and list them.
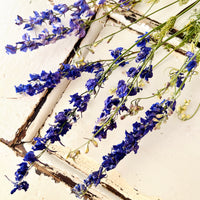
[
  {"x": 165, "y": 29},
  {"x": 152, "y": 1},
  {"x": 182, "y": 2}
]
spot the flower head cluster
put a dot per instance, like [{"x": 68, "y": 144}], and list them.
[
  {"x": 179, "y": 81},
  {"x": 20, "y": 173},
  {"x": 98, "y": 70},
  {"x": 123, "y": 89},
  {"x": 144, "y": 50},
  {"x": 20, "y": 186},
  {"x": 192, "y": 61},
  {"x": 59, "y": 31},
  {"x": 154, "y": 115},
  {"x": 38, "y": 82},
  {"x": 49, "y": 15},
  {"x": 80, "y": 101},
  {"x": 117, "y": 55},
  {"x": 146, "y": 73}
]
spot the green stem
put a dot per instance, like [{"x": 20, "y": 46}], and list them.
[
  {"x": 125, "y": 27},
  {"x": 193, "y": 113}
]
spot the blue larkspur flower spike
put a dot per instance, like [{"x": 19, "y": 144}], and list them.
[
  {"x": 132, "y": 72},
  {"x": 39, "y": 18},
  {"x": 130, "y": 143},
  {"x": 59, "y": 31},
  {"x": 39, "y": 82}
]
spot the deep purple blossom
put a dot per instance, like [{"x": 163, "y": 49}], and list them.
[
  {"x": 40, "y": 144},
  {"x": 91, "y": 67},
  {"x": 28, "y": 89},
  {"x": 30, "y": 157},
  {"x": 112, "y": 125},
  {"x": 179, "y": 81},
  {"x": 59, "y": 30},
  {"x": 81, "y": 7},
  {"x": 27, "y": 43},
  {"x": 192, "y": 61},
  {"x": 78, "y": 27},
  {"x": 79, "y": 190},
  {"x": 117, "y": 55},
  {"x": 91, "y": 84},
  {"x": 71, "y": 72},
  {"x": 20, "y": 186},
  {"x": 22, "y": 171},
  {"x": 132, "y": 72},
  {"x": 142, "y": 55},
  {"x": 132, "y": 91},
  {"x": 94, "y": 178},
  {"x": 19, "y": 20},
  {"x": 10, "y": 49},
  {"x": 79, "y": 101},
  {"x": 99, "y": 132},
  {"x": 147, "y": 72},
  {"x": 61, "y": 8},
  {"x": 52, "y": 134},
  {"x": 144, "y": 50},
  {"x": 109, "y": 102},
  {"x": 60, "y": 117},
  {"x": 144, "y": 41},
  {"x": 122, "y": 89}
]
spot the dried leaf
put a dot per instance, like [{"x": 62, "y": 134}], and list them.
[
  {"x": 94, "y": 142},
  {"x": 87, "y": 148}
]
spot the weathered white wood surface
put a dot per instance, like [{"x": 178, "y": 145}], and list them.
[
  {"x": 167, "y": 163},
  {"x": 15, "y": 69},
  {"x": 161, "y": 167}
]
